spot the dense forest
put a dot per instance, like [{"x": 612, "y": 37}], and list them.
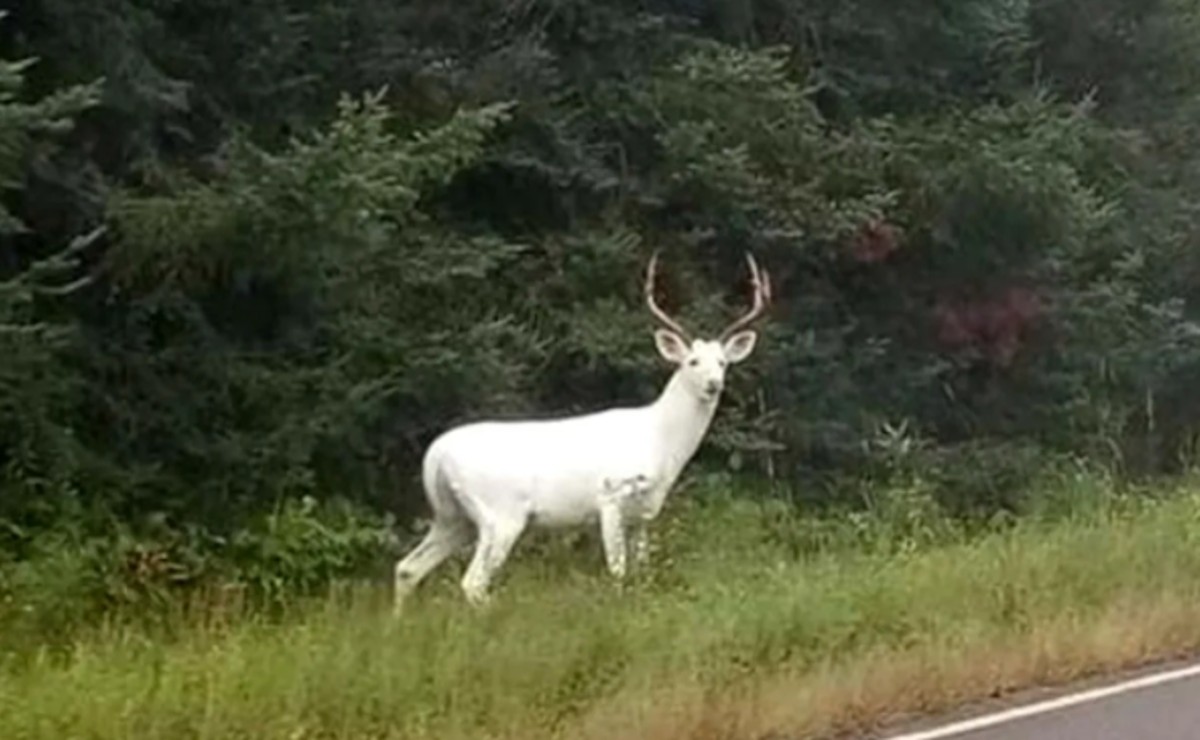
[{"x": 254, "y": 256}]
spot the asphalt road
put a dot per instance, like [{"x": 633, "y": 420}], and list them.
[{"x": 1155, "y": 706}]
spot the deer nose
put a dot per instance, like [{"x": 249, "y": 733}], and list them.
[{"x": 712, "y": 387}]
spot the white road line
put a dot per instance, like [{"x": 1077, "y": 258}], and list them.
[{"x": 1051, "y": 705}]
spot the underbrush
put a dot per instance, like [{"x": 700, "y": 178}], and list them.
[
  {"x": 158, "y": 577},
  {"x": 755, "y": 618}
]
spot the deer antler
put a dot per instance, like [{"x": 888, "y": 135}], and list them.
[
  {"x": 660, "y": 314},
  {"x": 762, "y": 297}
]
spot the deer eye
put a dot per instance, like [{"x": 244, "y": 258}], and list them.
[{"x": 694, "y": 362}]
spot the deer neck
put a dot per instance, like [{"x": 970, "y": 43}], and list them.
[{"x": 683, "y": 419}]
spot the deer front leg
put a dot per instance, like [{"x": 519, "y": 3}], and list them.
[
  {"x": 612, "y": 532},
  {"x": 639, "y": 541},
  {"x": 647, "y": 506}
]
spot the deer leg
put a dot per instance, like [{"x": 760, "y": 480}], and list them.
[
  {"x": 442, "y": 540},
  {"x": 496, "y": 540},
  {"x": 633, "y": 494},
  {"x": 640, "y": 542},
  {"x": 612, "y": 534}
]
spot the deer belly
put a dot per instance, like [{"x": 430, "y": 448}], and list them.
[
  {"x": 561, "y": 503},
  {"x": 563, "y": 508}
]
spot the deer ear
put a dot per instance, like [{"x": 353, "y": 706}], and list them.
[
  {"x": 671, "y": 346},
  {"x": 739, "y": 346}
]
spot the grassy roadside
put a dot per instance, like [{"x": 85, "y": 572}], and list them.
[{"x": 734, "y": 637}]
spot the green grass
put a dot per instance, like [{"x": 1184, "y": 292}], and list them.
[{"x": 733, "y": 635}]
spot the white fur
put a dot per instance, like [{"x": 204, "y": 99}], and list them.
[{"x": 489, "y": 480}]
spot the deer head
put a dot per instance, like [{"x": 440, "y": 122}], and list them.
[{"x": 702, "y": 362}]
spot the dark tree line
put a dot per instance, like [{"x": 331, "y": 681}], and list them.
[{"x": 254, "y": 255}]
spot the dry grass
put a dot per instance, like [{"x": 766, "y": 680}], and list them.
[{"x": 876, "y": 690}]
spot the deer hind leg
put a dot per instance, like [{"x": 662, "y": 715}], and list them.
[
  {"x": 442, "y": 540},
  {"x": 496, "y": 540}
]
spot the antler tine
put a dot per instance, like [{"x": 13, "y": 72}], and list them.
[
  {"x": 660, "y": 314},
  {"x": 762, "y": 297}
]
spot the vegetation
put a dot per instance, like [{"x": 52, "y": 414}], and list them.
[
  {"x": 736, "y": 636},
  {"x": 254, "y": 256}
]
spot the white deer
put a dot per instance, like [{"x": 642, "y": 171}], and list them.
[{"x": 493, "y": 479}]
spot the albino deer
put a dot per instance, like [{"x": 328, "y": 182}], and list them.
[{"x": 495, "y": 478}]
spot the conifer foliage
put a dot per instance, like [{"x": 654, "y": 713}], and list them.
[{"x": 258, "y": 254}]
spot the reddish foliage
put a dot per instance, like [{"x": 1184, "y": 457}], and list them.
[
  {"x": 995, "y": 325},
  {"x": 874, "y": 242}
]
